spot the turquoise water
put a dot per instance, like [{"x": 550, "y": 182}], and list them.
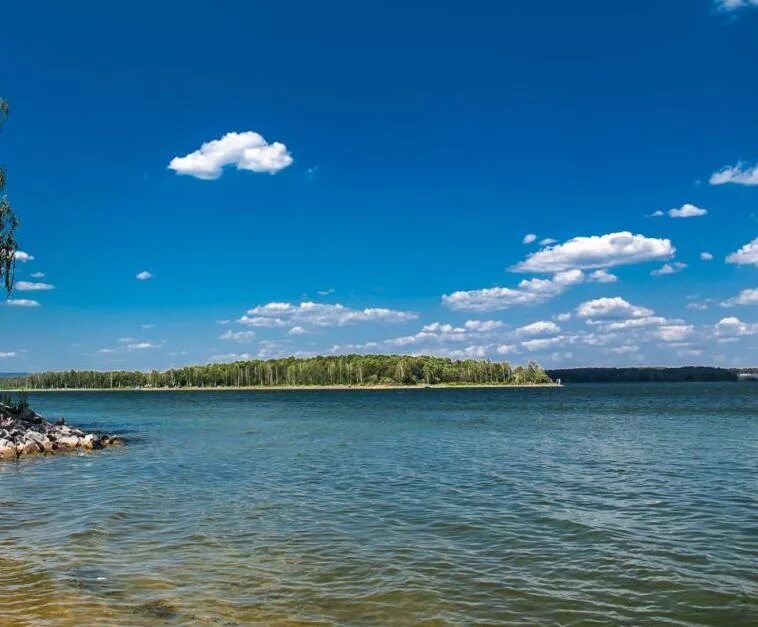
[{"x": 604, "y": 504}]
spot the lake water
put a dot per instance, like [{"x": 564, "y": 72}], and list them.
[{"x": 591, "y": 504}]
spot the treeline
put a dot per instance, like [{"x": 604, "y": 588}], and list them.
[
  {"x": 355, "y": 370},
  {"x": 642, "y": 375}
]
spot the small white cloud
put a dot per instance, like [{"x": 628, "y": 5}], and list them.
[
  {"x": 296, "y": 331},
  {"x": 674, "y": 332},
  {"x": 548, "y": 241},
  {"x": 739, "y": 174},
  {"x": 38, "y": 275},
  {"x": 21, "y": 302},
  {"x": 609, "y": 308},
  {"x": 541, "y": 327},
  {"x": 734, "y": 327},
  {"x": 30, "y": 286},
  {"x": 237, "y": 336},
  {"x": 597, "y": 251},
  {"x": 8, "y": 354},
  {"x": 505, "y": 349},
  {"x": 563, "y": 317},
  {"x": 328, "y": 292},
  {"x": 687, "y": 210},
  {"x": 246, "y": 151},
  {"x": 706, "y": 256},
  {"x": 529, "y": 238},
  {"x": 141, "y": 346},
  {"x": 745, "y": 297},
  {"x": 602, "y": 276},
  {"x": 669, "y": 268},
  {"x": 23, "y": 257},
  {"x": 734, "y": 5},
  {"x": 657, "y": 214},
  {"x": 482, "y": 326},
  {"x": 107, "y": 351},
  {"x": 747, "y": 255},
  {"x": 144, "y": 275}
]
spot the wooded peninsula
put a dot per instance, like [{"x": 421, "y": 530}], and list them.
[{"x": 325, "y": 371}]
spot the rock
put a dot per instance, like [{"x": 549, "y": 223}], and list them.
[
  {"x": 24, "y": 432},
  {"x": 68, "y": 442}
]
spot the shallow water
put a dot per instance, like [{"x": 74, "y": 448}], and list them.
[{"x": 604, "y": 504}]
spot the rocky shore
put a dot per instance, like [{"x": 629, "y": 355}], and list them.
[{"x": 24, "y": 432}]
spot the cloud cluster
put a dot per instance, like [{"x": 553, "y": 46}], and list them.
[
  {"x": 319, "y": 315},
  {"x": 597, "y": 251},
  {"x": 528, "y": 292},
  {"x": 246, "y": 151}
]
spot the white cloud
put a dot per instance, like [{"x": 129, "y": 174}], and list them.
[
  {"x": 734, "y": 5},
  {"x": 733, "y": 327},
  {"x": 747, "y": 255},
  {"x": 144, "y": 275},
  {"x": 529, "y": 238},
  {"x": 29, "y": 286},
  {"x": 141, "y": 346},
  {"x": 541, "y": 327},
  {"x": 633, "y": 323},
  {"x": 609, "y": 308},
  {"x": 706, "y": 256},
  {"x": 327, "y": 292},
  {"x": 528, "y": 292},
  {"x": 563, "y": 317},
  {"x": 296, "y": 331},
  {"x": 21, "y": 302},
  {"x": 8, "y": 354},
  {"x": 38, "y": 275},
  {"x": 674, "y": 332},
  {"x": 687, "y": 210},
  {"x": 602, "y": 276},
  {"x": 548, "y": 241},
  {"x": 505, "y": 349},
  {"x": 669, "y": 268},
  {"x": 23, "y": 257},
  {"x": 246, "y": 151},
  {"x": 260, "y": 321},
  {"x": 597, "y": 251},
  {"x": 482, "y": 326},
  {"x": 547, "y": 342},
  {"x": 323, "y": 315},
  {"x": 237, "y": 336},
  {"x": 745, "y": 297},
  {"x": 739, "y": 174},
  {"x": 107, "y": 351}
]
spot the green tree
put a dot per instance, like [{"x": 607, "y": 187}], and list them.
[{"x": 8, "y": 224}]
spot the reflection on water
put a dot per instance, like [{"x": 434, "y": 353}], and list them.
[{"x": 613, "y": 504}]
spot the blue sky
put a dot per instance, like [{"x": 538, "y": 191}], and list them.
[{"x": 376, "y": 172}]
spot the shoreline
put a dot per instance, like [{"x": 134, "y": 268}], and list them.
[{"x": 293, "y": 388}]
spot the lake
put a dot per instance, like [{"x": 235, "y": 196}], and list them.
[{"x": 589, "y": 504}]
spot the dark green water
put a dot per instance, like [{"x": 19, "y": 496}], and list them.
[{"x": 606, "y": 504}]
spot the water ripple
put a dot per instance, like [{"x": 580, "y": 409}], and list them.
[{"x": 581, "y": 506}]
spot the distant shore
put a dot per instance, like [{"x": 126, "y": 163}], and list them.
[{"x": 298, "y": 388}]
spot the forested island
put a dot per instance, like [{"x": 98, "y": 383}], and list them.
[{"x": 325, "y": 371}]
